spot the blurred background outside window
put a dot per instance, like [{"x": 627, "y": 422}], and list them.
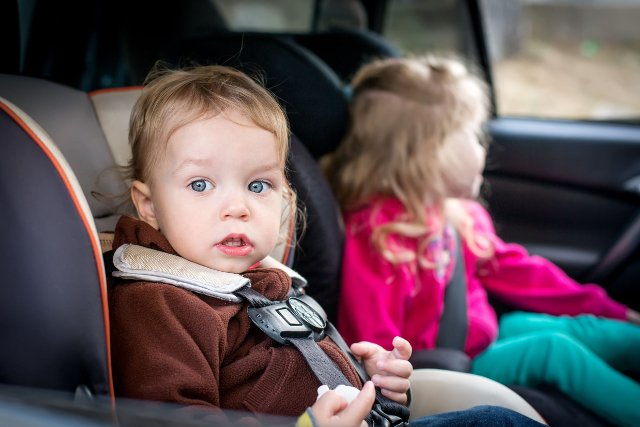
[
  {"x": 565, "y": 59},
  {"x": 560, "y": 59}
]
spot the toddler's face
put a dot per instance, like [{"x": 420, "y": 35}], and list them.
[{"x": 217, "y": 193}]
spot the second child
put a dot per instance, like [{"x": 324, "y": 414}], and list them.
[{"x": 406, "y": 176}]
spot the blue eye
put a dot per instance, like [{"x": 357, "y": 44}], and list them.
[
  {"x": 201, "y": 185},
  {"x": 259, "y": 186}
]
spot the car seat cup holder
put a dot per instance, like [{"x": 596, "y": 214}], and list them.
[{"x": 295, "y": 317}]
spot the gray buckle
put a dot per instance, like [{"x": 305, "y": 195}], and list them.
[{"x": 296, "y": 317}]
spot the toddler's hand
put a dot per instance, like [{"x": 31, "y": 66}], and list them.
[
  {"x": 332, "y": 410},
  {"x": 389, "y": 370}
]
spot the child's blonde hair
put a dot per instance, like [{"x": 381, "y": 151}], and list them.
[
  {"x": 173, "y": 98},
  {"x": 403, "y": 113}
]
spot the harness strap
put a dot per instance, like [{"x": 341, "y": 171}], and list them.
[
  {"x": 337, "y": 338},
  {"x": 323, "y": 367}
]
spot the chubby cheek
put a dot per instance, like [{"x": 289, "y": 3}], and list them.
[
  {"x": 271, "y": 233},
  {"x": 179, "y": 227}
]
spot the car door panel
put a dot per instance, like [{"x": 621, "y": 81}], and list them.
[{"x": 568, "y": 191}]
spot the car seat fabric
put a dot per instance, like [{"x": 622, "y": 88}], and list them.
[
  {"x": 53, "y": 313},
  {"x": 78, "y": 135}
]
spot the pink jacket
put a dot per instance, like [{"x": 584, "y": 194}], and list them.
[{"x": 380, "y": 300}]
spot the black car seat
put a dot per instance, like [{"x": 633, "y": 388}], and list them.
[{"x": 53, "y": 313}]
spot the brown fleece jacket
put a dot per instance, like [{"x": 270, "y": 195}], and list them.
[{"x": 172, "y": 345}]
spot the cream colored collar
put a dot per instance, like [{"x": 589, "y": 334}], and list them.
[{"x": 138, "y": 262}]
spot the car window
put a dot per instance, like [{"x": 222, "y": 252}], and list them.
[{"x": 565, "y": 59}]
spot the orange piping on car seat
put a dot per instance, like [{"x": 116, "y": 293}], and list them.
[
  {"x": 97, "y": 253},
  {"x": 114, "y": 89}
]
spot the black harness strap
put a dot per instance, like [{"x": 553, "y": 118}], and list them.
[
  {"x": 453, "y": 321},
  {"x": 322, "y": 366}
]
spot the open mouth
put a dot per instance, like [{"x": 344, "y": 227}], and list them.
[
  {"x": 235, "y": 245},
  {"x": 234, "y": 242}
]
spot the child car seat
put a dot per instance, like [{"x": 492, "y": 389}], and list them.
[{"x": 53, "y": 314}]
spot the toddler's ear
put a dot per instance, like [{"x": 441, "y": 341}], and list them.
[{"x": 141, "y": 197}]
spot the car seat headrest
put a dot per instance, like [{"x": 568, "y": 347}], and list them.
[
  {"x": 113, "y": 109},
  {"x": 53, "y": 313},
  {"x": 67, "y": 115}
]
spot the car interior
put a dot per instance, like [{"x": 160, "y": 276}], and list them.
[{"x": 65, "y": 104}]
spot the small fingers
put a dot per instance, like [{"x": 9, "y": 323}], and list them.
[
  {"x": 359, "y": 407},
  {"x": 395, "y": 367},
  {"x": 397, "y": 397},
  {"x": 401, "y": 349},
  {"x": 365, "y": 349},
  {"x": 391, "y": 383},
  {"x": 329, "y": 404}
]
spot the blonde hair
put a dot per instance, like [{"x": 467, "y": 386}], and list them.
[
  {"x": 403, "y": 113},
  {"x": 173, "y": 98}
]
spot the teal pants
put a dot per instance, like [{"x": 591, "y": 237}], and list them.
[{"x": 584, "y": 356}]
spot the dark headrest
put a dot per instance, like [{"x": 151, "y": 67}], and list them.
[
  {"x": 308, "y": 89},
  {"x": 53, "y": 307},
  {"x": 346, "y": 50}
]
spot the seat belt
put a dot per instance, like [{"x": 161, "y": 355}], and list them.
[
  {"x": 300, "y": 321},
  {"x": 452, "y": 332}
]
